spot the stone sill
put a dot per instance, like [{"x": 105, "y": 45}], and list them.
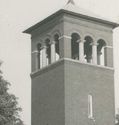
[{"x": 67, "y": 60}]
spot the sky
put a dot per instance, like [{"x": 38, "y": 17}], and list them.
[{"x": 15, "y": 47}]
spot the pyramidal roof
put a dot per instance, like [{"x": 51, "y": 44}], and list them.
[
  {"x": 72, "y": 8},
  {"x": 70, "y": 1}
]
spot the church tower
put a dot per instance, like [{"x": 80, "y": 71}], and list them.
[{"x": 72, "y": 69}]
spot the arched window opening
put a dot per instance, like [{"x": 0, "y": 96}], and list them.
[
  {"x": 39, "y": 56},
  {"x": 88, "y": 49},
  {"x": 48, "y": 51},
  {"x": 56, "y": 39},
  {"x": 75, "y": 46},
  {"x": 101, "y": 52}
]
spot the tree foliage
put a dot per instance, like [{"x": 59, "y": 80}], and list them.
[
  {"x": 117, "y": 119},
  {"x": 9, "y": 110}
]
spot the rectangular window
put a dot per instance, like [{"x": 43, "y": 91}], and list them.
[{"x": 90, "y": 106}]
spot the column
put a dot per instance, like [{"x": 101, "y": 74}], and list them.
[
  {"x": 38, "y": 58},
  {"x": 53, "y": 52},
  {"x": 108, "y": 56},
  {"x": 94, "y": 53},
  {"x": 88, "y": 58},
  {"x": 81, "y": 50},
  {"x": 65, "y": 46},
  {"x": 44, "y": 56},
  {"x": 35, "y": 60},
  {"x": 98, "y": 57}
]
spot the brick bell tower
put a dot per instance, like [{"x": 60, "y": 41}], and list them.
[{"x": 72, "y": 69}]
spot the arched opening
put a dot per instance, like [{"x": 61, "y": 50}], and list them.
[
  {"x": 101, "y": 52},
  {"x": 39, "y": 56},
  {"x": 88, "y": 49},
  {"x": 56, "y": 39},
  {"x": 75, "y": 46},
  {"x": 48, "y": 51}
]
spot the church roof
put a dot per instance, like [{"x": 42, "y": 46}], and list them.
[
  {"x": 72, "y": 9},
  {"x": 71, "y": 1}
]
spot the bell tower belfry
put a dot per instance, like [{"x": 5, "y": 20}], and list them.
[{"x": 72, "y": 69}]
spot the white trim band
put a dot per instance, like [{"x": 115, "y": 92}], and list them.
[
  {"x": 65, "y": 36},
  {"x": 34, "y": 52},
  {"x": 109, "y": 47}
]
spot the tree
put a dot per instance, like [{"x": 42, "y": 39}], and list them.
[
  {"x": 117, "y": 119},
  {"x": 9, "y": 110}
]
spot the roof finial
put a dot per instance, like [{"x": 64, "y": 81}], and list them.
[{"x": 71, "y": 1}]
